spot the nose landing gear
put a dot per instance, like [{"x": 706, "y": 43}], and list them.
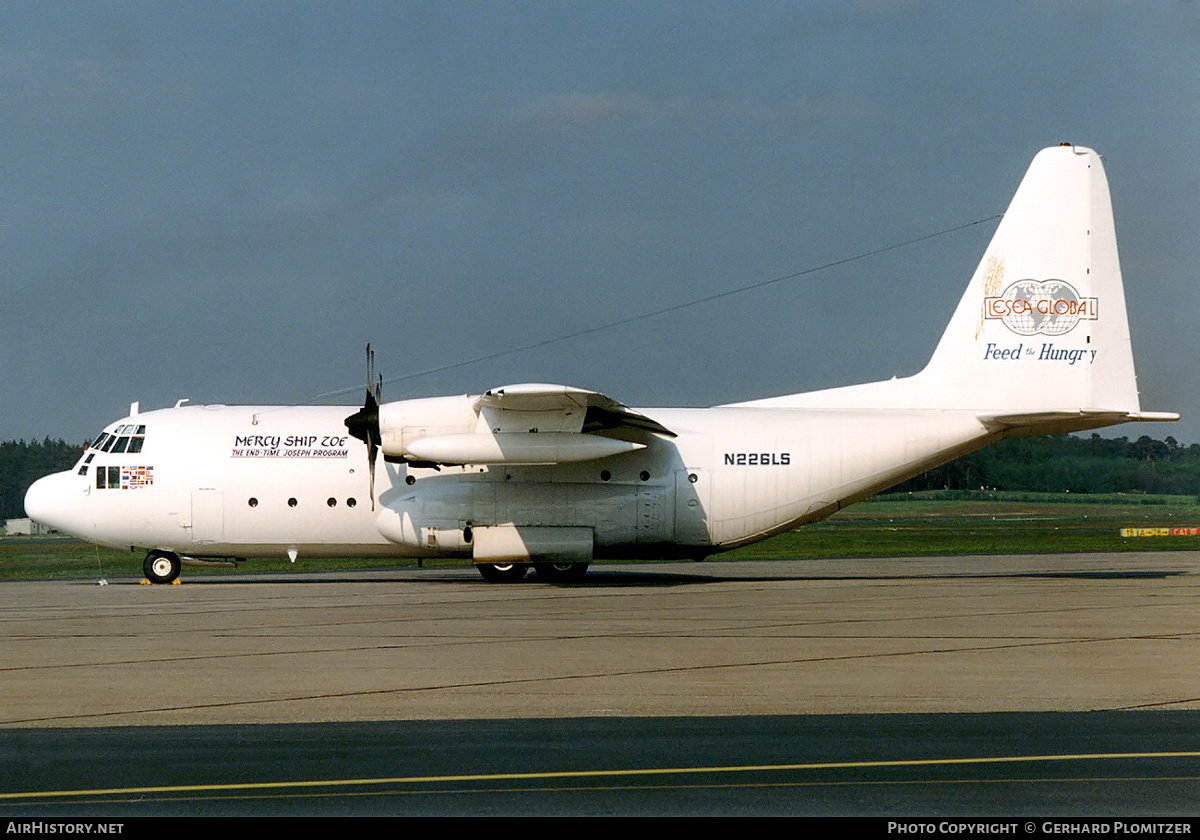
[{"x": 161, "y": 566}]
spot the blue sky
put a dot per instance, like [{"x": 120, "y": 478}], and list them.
[{"x": 226, "y": 201}]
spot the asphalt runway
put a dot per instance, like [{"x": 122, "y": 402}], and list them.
[{"x": 982, "y": 685}]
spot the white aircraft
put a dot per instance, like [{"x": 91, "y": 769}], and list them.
[{"x": 554, "y": 477}]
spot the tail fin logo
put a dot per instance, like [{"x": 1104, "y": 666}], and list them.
[{"x": 1050, "y": 307}]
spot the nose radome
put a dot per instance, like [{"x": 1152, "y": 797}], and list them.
[{"x": 54, "y": 501}]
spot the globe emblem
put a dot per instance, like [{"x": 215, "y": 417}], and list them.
[{"x": 1032, "y": 306}]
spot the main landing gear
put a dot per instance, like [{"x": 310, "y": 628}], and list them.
[
  {"x": 547, "y": 572},
  {"x": 561, "y": 572},
  {"x": 502, "y": 572},
  {"x": 161, "y": 566}
]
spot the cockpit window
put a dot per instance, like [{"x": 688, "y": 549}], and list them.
[{"x": 128, "y": 437}]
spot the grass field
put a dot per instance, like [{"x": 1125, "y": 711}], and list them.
[
  {"x": 933, "y": 524},
  {"x": 892, "y": 526}
]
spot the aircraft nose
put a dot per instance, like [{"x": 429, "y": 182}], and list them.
[{"x": 55, "y": 500}]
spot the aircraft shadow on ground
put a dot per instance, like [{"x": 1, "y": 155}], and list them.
[{"x": 601, "y": 578}]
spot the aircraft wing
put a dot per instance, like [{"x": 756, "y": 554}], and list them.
[
  {"x": 559, "y": 408},
  {"x": 516, "y": 424}
]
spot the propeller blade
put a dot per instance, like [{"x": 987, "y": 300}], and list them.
[
  {"x": 364, "y": 423},
  {"x": 371, "y": 449}
]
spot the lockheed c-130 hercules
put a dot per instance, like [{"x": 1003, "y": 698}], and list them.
[{"x": 555, "y": 477}]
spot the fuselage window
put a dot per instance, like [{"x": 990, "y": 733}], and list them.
[
  {"x": 332, "y": 502},
  {"x": 253, "y": 502},
  {"x": 292, "y": 502}
]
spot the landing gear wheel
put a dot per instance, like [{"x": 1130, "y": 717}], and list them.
[
  {"x": 502, "y": 573},
  {"x": 561, "y": 572},
  {"x": 161, "y": 566}
]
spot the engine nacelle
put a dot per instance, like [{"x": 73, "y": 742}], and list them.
[
  {"x": 456, "y": 430},
  {"x": 517, "y": 448},
  {"x": 405, "y": 421}
]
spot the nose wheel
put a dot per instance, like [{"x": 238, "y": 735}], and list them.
[{"x": 161, "y": 566}]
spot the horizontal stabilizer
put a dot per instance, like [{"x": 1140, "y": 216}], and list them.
[{"x": 1060, "y": 422}]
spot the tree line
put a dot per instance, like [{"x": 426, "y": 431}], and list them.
[
  {"x": 23, "y": 463},
  {"x": 1058, "y": 464},
  {"x": 1069, "y": 464}
]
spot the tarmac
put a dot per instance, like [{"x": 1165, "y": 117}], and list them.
[{"x": 1039, "y": 633}]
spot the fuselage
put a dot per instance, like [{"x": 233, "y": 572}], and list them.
[
  {"x": 256, "y": 481},
  {"x": 553, "y": 475}
]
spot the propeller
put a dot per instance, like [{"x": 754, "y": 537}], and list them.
[{"x": 364, "y": 423}]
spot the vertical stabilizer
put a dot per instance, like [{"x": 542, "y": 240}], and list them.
[
  {"x": 1039, "y": 342},
  {"x": 1042, "y": 326}
]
